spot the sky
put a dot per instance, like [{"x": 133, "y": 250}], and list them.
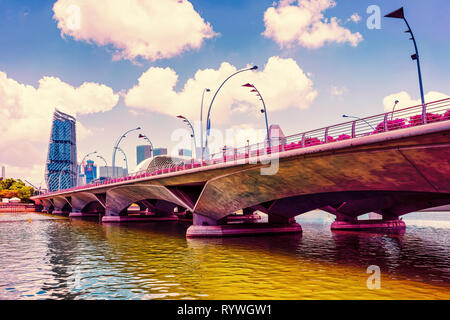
[{"x": 117, "y": 65}]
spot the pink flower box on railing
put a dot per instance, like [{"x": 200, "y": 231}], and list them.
[
  {"x": 446, "y": 115},
  {"x": 343, "y": 137},
  {"x": 311, "y": 142}
]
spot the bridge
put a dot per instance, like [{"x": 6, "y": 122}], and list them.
[{"x": 392, "y": 164}]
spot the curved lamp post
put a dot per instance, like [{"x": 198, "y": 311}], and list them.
[
  {"x": 399, "y": 14},
  {"x": 201, "y": 121},
  {"x": 106, "y": 165},
  {"x": 248, "y": 85},
  {"x": 346, "y": 116},
  {"x": 143, "y": 136},
  {"x": 115, "y": 149},
  {"x": 208, "y": 120},
  {"x": 393, "y": 108},
  {"x": 185, "y": 120},
  {"x": 124, "y": 156}
]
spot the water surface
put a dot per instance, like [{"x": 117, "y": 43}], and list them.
[{"x": 42, "y": 257}]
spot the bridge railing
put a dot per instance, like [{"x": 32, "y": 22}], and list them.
[{"x": 389, "y": 121}]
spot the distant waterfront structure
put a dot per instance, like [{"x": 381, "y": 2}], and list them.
[
  {"x": 107, "y": 172},
  {"x": 185, "y": 152},
  {"x": 160, "y": 152},
  {"x": 90, "y": 171},
  {"x": 3, "y": 172},
  {"x": 143, "y": 152},
  {"x": 61, "y": 166}
]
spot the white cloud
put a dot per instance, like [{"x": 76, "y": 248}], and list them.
[
  {"x": 406, "y": 101},
  {"x": 150, "y": 29},
  {"x": 338, "y": 90},
  {"x": 303, "y": 23},
  {"x": 356, "y": 18},
  {"x": 282, "y": 83},
  {"x": 26, "y": 114}
]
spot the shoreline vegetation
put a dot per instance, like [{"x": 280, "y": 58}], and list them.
[{"x": 12, "y": 188}]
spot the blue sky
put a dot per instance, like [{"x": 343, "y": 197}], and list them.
[{"x": 379, "y": 66}]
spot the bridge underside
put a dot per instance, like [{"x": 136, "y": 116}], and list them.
[{"x": 391, "y": 177}]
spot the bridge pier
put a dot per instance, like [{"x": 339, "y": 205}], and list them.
[
  {"x": 388, "y": 224},
  {"x": 208, "y": 227}
]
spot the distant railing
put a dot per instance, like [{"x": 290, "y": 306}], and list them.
[{"x": 399, "y": 119}]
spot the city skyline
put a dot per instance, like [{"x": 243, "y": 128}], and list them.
[{"x": 114, "y": 85}]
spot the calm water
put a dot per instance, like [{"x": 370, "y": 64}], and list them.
[{"x": 77, "y": 259}]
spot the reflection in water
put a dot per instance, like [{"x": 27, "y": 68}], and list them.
[{"x": 78, "y": 259}]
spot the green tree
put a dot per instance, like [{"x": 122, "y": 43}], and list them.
[
  {"x": 6, "y": 183},
  {"x": 25, "y": 193}
]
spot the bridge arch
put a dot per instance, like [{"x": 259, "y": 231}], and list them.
[{"x": 157, "y": 198}]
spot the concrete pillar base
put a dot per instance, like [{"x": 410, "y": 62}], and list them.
[
  {"x": 81, "y": 214},
  {"x": 369, "y": 225},
  {"x": 244, "y": 218},
  {"x": 143, "y": 218},
  {"x": 198, "y": 231},
  {"x": 60, "y": 213}
]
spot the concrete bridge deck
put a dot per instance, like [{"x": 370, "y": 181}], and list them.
[{"x": 400, "y": 165}]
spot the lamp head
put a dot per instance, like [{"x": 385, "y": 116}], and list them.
[
  {"x": 138, "y": 128},
  {"x": 396, "y": 101},
  {"x": 344, "y": 116},
  {"x": 398, "y": 14},
  {"x": 207, "y": 90},
  {"x": 254, "y": 68},
  {"x": 262, "y": 111},
  {"x": 141, "y": 135}
]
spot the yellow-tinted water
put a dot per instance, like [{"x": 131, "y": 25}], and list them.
[{"x": 73, "y": 259}]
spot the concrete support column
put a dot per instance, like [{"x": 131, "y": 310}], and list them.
[
  {"x": 277, "y": 219},
  {"x": 389, "y": 223},
  {"x": 205, "y": 226}
]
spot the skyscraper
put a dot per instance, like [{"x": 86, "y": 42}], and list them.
[
  {"x": 160, "y": 152},
  {"x": 90, "y": 171},
  {"x": 143, "y": 152},
  {"x": 61, "y": 166}
]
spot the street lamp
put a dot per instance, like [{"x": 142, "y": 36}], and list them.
[
  {"x": 393, "y": 108},
  {"x": 185, "y": 120},
  {"x": 106, "y": 165},
  {"x": 125, "y": 157},
  {"x": 346, "y": 116},
  {"x": 399, "y": 14},
  {"x": 115, "y": 149},
  {"x": 248, "y": 85},
  {"x": 208, "y": 120},
  {"x": 143, "y": 136},
  {"x": 201, "y": 121}
]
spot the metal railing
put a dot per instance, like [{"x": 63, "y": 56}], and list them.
[{"x": 399, "y": 119}]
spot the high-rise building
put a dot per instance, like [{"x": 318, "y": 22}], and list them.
[
  {"x": 107, "y": 172},
  {"x": 143, "y": 152},
  {"x": 160, "y": 152},
  {"x": 90, "y": 171},
  {"x": 3, "y": 172},
  {"x": 185, "y": 152},
  {"x": 61, "y": 166}
]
